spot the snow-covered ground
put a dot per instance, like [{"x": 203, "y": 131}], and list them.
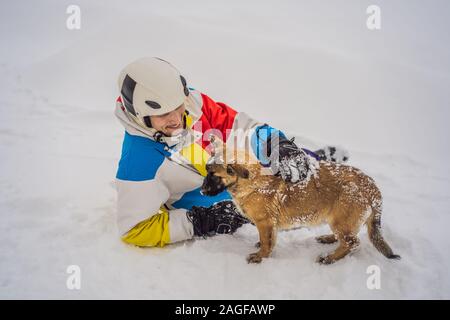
[{"x": 311, "y": 68}]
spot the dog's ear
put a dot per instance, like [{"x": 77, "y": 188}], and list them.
[{"x": 240, "y": 171}]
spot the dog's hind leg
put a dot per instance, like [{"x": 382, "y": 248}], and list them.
[
  {"x": 347, "y": 244},
  {"x": 326, "y": 239},
  {"x": 267, "y": 240}
]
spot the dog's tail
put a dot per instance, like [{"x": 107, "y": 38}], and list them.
[{"x": 374, "y": 231}]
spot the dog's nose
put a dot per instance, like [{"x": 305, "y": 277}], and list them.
[
  {"x": 205, "y": 182},
  {"x": 204, "y": 189}
]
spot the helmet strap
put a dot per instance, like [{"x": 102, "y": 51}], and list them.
[
  {"x": 158, "y": 136},
  {"x": 148, "y": 121}
]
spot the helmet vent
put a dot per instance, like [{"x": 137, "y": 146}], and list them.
[
  {"x": 127, "y": 91},
  {"x": 184, "y": 83},
  {"x": 153, "y": 104}
]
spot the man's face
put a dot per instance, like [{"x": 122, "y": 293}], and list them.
[{"x": 169, "y": 123}]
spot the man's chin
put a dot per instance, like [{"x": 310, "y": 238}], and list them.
[{"x": 174, "y": 132}]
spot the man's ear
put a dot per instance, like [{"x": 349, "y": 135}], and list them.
[{"x": 241, "y": 171}]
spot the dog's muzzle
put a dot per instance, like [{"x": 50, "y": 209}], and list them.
[{"x": 212, "y": 185}]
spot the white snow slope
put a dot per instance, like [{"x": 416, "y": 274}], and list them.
[{"x": 307, "y": 67}]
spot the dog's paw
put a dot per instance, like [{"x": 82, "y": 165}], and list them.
[
  {"x": 325, "y": 260},
  {"x": 326, "y": 239},
  {"x": 254, "y": 258}
]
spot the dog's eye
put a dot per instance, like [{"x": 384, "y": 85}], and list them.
[{"x": 230, "y": 170}]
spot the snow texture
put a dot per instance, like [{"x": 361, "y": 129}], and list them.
[{"x": 312, "y": 69}]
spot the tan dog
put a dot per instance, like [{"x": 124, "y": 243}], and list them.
[{"x": 339, "y": 195}]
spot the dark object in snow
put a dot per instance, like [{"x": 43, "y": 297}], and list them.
[
  {"x": 222, "y": 217},
  {"x": 333, "y": 154}
]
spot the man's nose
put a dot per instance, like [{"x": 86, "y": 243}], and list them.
[{"x": 174, "y": 116}]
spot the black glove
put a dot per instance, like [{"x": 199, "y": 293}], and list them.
[
  {"x": 288, "y": 160},
  {"x": 222, "y": 217}
]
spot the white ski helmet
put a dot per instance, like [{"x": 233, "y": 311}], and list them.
[{"x": 151, "y": 86}]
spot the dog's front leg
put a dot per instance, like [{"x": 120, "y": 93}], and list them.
[{"x": 267, "y": 239}]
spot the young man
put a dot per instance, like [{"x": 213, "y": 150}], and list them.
[{"x": 165, "y": 149}]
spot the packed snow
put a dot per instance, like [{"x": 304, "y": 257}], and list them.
[{"x": 309, "y": 68}]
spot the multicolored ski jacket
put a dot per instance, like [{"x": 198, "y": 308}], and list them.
[{"x": 159, "y": 178}]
